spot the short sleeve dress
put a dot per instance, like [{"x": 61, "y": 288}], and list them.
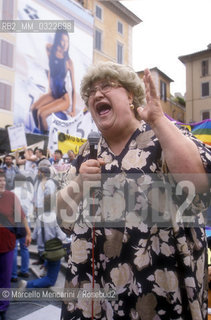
[{"x": 142, "y": 239}]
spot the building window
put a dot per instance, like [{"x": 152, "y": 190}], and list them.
[
  {"x": 6, "y": 53},
  {"x": 120, "y": 27},
  {"x": 7, "y": 9},
  {"x": 119, "y": 53},
  {"x": 206, "y": 115},
  {"x": 204, "y": 68},
  {"x": 98, "y": 12},
  {"x": 98, "y": 40},
  {"x": 163, "y": 91},
  {"x": 205, "y": 89},
  {"x": 5, "y": 96}
]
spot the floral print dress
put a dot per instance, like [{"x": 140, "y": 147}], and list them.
[{"x": 154, "y": 261}]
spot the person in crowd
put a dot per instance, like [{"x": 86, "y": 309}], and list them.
[
  {"x": 42, "y": 159},
  {"x": 43, "y": 187},
  {"x": 135, "y": 243},
  {"x": 10, "y": 171},
  {"x": 59, "y": 165},
  {"x": 71, "y": 156},
  {"x": 57, "y": 99},
  {"x": 24, "y": 190},
  {"x": 11, "y": 210},
  {"x": 47, "y": 221},
  {"x": 57, "y": 158},
  {"x": 29, "y": 162}
]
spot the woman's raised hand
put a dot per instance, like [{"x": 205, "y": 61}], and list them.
[{"x": 152, "y": 111}]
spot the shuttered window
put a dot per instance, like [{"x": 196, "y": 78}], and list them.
[
  {"x": 205, "y": 115},
  {"x": 98, "y": 40},
  {"x": 163, "y": 90},
  {"x": 204, "y": 68},
  {"x": 5, "y": 96},
  {"x": 120, "y": 27},
  {"x": 205, "y": 90},
  {"x": 7, "y": 9},
  {"x": 119, "y": 53},
  {"x": 98, "y": 12},
  {"x": 6, "y": 53}
]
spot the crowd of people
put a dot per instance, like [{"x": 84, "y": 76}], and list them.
[{"x": 28, "y": 190}]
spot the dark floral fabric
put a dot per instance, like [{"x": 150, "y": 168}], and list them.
[{"x": 152, "y": 258}]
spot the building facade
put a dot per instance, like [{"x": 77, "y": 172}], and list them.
[
  {"x": 113, "y": 24},
  {"x": 162, "y": 83},
  {"x": 111, "y": 40},
  {"x": 198, "y": 85},
  {"x": 8, "y": 11}
]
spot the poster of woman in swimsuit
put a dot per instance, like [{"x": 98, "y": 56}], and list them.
[{"x": 50, "y": 66}]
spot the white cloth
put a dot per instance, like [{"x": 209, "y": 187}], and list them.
[
  {"x": 24, "y": 190},
  {"x": 41, "y": 191},
  {"x": 51, "y": 229}
]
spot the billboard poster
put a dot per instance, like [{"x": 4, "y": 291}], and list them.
[{"x": 49, "y": 67}]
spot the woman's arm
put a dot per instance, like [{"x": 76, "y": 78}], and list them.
[
  {"x": 180, "y": 153},
  {"x": 48, "y": 50},
  {"x": 71, "y": 71}
]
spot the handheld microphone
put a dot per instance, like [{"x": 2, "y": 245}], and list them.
[{"x": 93, "y": 139}]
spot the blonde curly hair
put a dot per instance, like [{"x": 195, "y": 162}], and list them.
[{"x": 111, "y": 71}]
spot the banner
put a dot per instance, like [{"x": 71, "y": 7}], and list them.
[
  {"x": 67, "y": 142},
  {"x": 17, "y": 137},
  {"x": 78, "y": 127}
]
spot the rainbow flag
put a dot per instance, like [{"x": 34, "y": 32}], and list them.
[{"x": 201, "y": 130}]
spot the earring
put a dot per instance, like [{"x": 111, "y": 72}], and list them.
[{"x": 132, "y": 106}]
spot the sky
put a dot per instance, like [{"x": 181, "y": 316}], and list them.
[{"x": 169, "y": 29}]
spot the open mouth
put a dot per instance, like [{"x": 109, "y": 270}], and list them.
[{"x": 103, "y": 109}]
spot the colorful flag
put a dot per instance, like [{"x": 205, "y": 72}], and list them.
[{"x": 201, "y": 130}]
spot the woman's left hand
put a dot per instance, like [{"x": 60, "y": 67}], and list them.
[{"x": 152, "y": 111}]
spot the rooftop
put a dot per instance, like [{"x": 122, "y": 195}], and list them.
[
  {"x": 160, "y": 72},
  {"x": 120, "y": 8},
  {"x": 192, "y": 56}
]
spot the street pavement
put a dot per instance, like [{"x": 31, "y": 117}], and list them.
[{"x": 33, "y": 310}]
